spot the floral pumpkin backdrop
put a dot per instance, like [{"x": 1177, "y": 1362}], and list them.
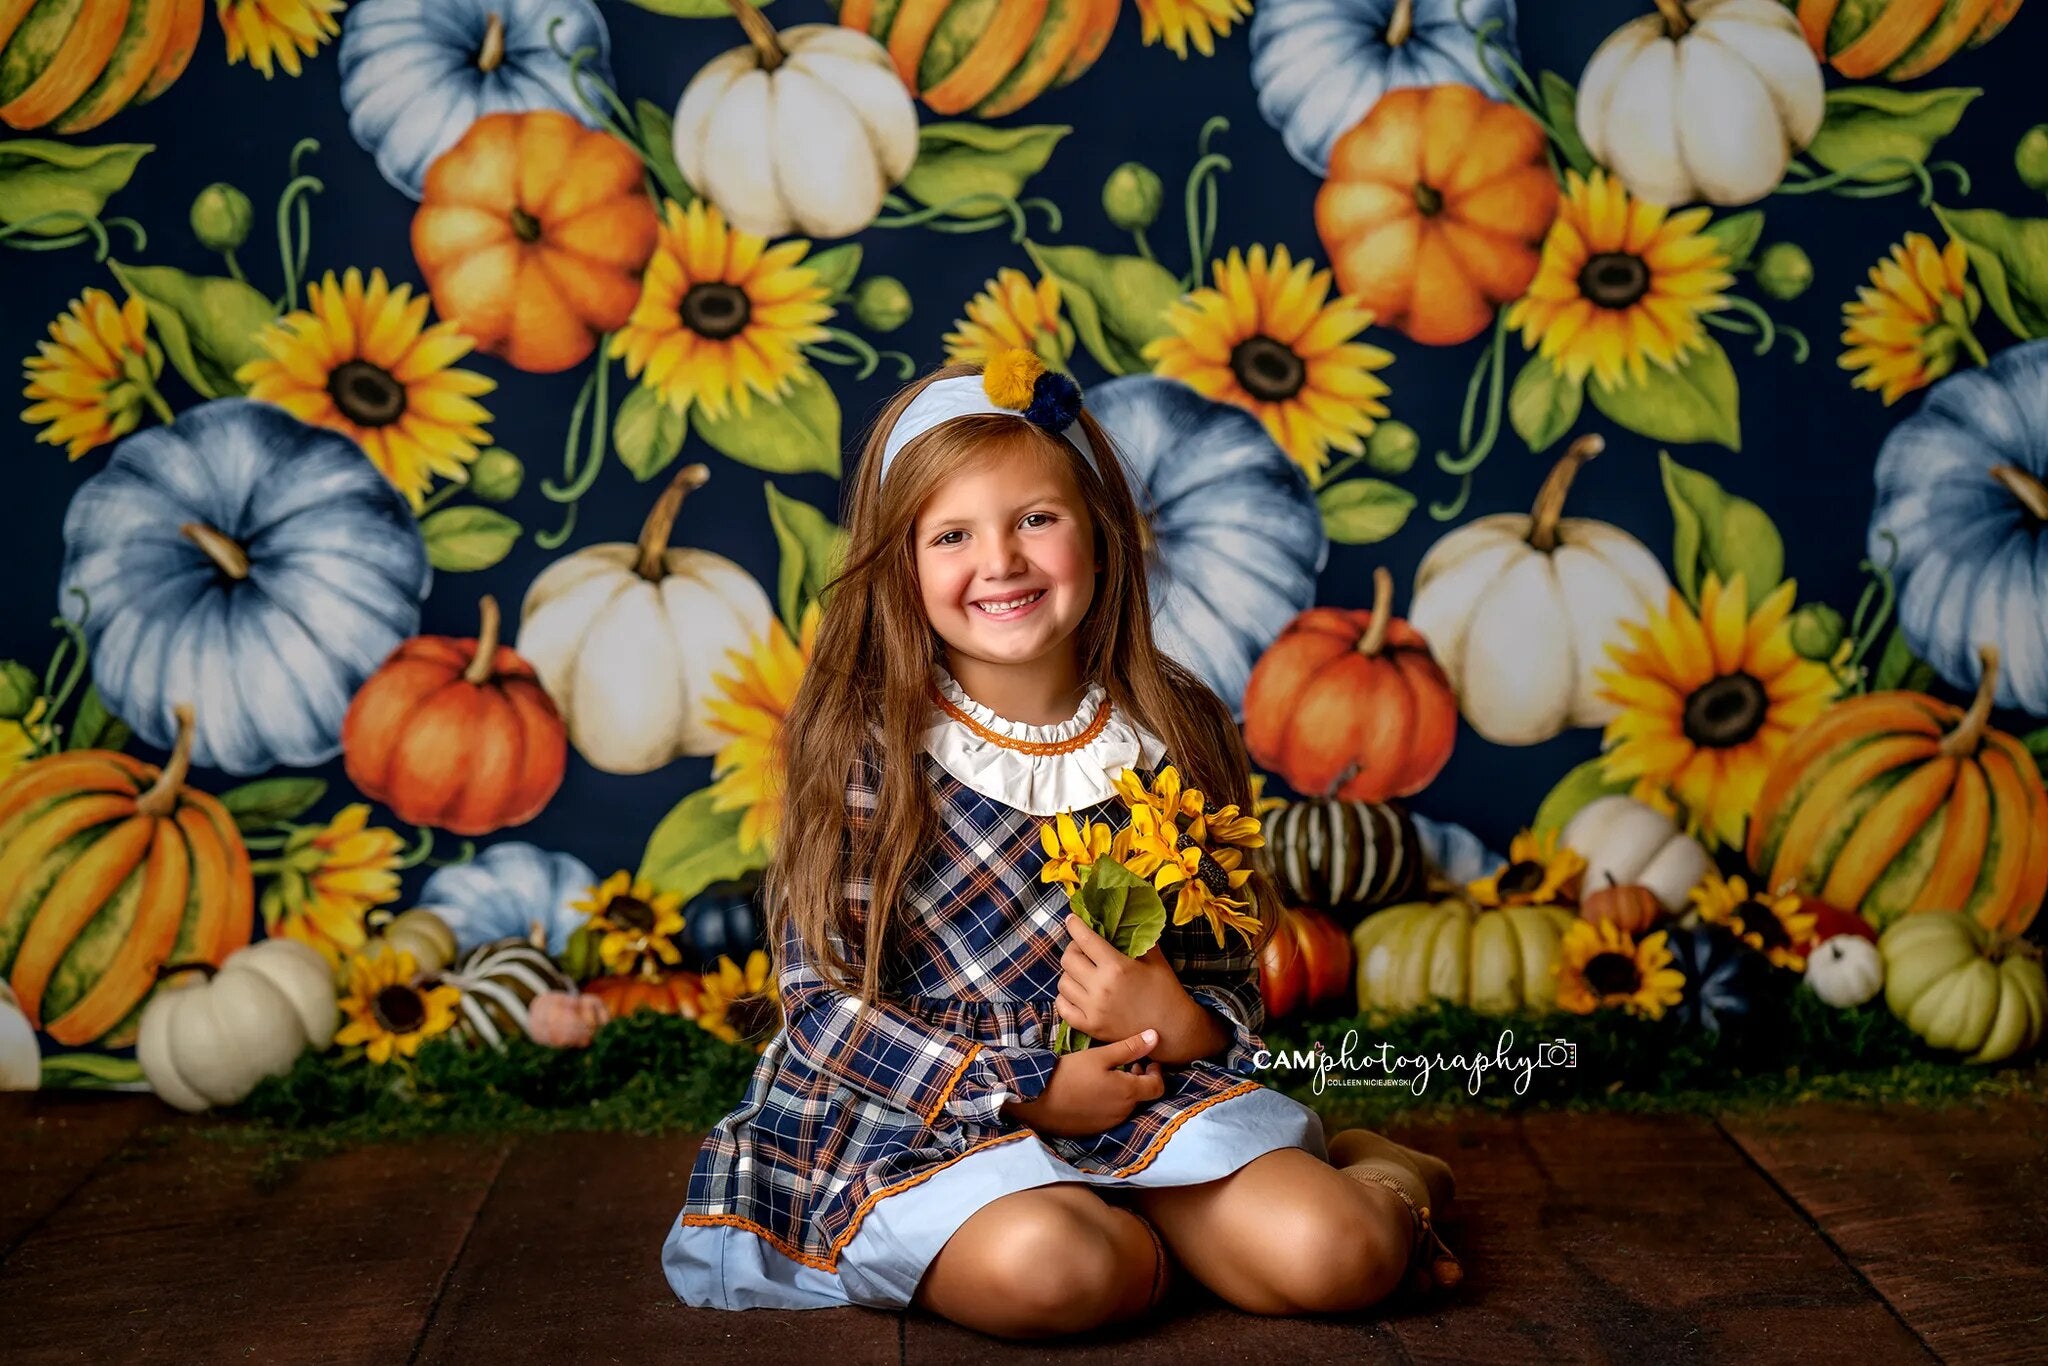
[{"x": 435, "y": 411}]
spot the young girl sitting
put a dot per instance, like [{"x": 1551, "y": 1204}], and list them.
[{"x": 985, "y": 661}]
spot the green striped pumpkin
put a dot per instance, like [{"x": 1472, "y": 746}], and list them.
[
  {"x": 71, "y": 65},
  {"x": 1343, "y": 855},
  {"x": 498, "y": 981}
]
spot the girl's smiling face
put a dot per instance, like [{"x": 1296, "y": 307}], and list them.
[{"x": 1006, "y": 560}]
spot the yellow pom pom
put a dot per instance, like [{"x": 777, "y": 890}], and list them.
[{"x": 1010, "y": 376}]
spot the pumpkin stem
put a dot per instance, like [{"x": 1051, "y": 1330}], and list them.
[
  {"x": 194, "y": 965},
  {"x": 492, "y": 53},
  {"x": 1968, "y": 735},
  {"x": 162, "y": 798},
  {"x": 222, "y": 550},
  {"x": 2031, "y": 492},
  {"x": 479, "y": 670},
  {"x": 760, "y": 33},
  {"x": 662, "y": 520},
  {"x": 1550, "y": 498},
  {"x": 1382, "y": 612},
  {"x": 1676, "y": 21},
  {"x": 1402, "y": 25},
  {"x": 1429, "y": 201}
]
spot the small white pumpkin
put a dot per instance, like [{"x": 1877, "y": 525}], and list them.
[
  {"x": 1519, "y": 610},
  {"x": 1631, "y": 842},
  {"x": 804, "y": 130},
  {"x": 1706, "y": 99},
  {"x": 207, "y": 1043},
  {"x": 420, "y": 932},
  {"x": 1845, "y": 971},
  {"x": 21, "y": 1057},
  {"x": 628, "y": 640}
]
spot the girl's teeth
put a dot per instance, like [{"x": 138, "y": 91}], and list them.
[{"x": 1001, "y": 610}]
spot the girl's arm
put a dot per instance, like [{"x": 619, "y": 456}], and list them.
[{"x": 1224, "y": 981}]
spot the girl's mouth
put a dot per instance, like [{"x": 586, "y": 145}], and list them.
[{"x": 1007, "y": 609}]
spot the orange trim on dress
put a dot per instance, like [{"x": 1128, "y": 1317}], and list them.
[
  {"x": 996, "y": 737},
  {"x": 946, "y": 1093}
]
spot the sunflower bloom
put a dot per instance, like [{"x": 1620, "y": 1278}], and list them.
[
  {"x": 91, "y": 379},
  {"x": 1600, "y": 968},
  {"x": 267, "y": 31},
  {"x": 363, "y": 362},
  {"x": 1774, "y": 925},
  {"x": 635, "y": 924},
  {"x": 21, "y": 736},
  {"x": 1071, "y": 848},
  {"x": 751, "y": 707},
  {"x": 1905, "y": 327},
  {"x": 1012, "y": 312},
  {"x": 1621, "y": 283},
  {"x": 327, "y": 878},
  {"x": 722, "y": 315},
  {"x": 1708, "y": 701},
  {"x": 1539, "y": 872},
  {"x": 1262, "y": 805},
  {"x": 1208, "y": 879},
  {"x": 741, "y": 1005},
  {"x": 1179, "y": 22},
  {"x": 388, "y": 1012}
]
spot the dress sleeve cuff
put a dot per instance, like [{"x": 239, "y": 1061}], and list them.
[
  {"x": 991, "y": 1076},
  {"x": 1244, "y": 1042}
]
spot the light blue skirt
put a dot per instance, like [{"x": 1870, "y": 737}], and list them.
[{"x": 719, "y": 1266}]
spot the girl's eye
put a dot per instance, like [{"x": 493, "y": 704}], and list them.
[{"x": 1046, "y": 515}]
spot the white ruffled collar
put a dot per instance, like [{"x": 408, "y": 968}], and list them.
[{"x": 1041, "y": 784}]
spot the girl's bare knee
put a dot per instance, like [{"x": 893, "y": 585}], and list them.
[
  {"x": 1063, "y": 1262},
  {"x": 1337, "y": 1257}
]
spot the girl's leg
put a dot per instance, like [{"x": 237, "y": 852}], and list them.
[{"x": 1045, "y": 1262}]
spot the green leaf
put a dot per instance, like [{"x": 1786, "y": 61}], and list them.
[
  {"x": 1364, "y": 511},
  {"x": 1561, "y": 107},
  {"x": 658, "y": 142},
  {"x": 647, "y": 433},
  {"x": 208, "y": 324},
  {"x": 2010, "y": 258},
  {"x": 1575, "y": 791},
  {"x": 465, "y": 539},
  {"x": 1738, "y": 235},
  {"x": 2036, "y": 742},
  {"x": 1867, "y": 124},
  {"x": 812, "y": 550},
  {"x": 1899, "y": 668},
  {"x": 91, "y": 1072},
  {"x": 696, "y": 845},
  {"x": 693, "y": 9},
  {"x": 1118, "y": 303},
  {"x": 272, "y": 801},
  {"x": 1543, "y": 404},
  {"x": 39, "y": 176},
  {"x": 94, "y": 727},
  {"x": 1716, "y": 531},
  {"x": 836, "y": 266},
  {"x": 1136, "y": 917},
  {"x": 1696, "y": 402},
  {"x": 955, "y": 160},
  {"x": 797, "y": 434}
]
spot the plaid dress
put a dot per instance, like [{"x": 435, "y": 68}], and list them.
[{"x": 863, "y": 1143}]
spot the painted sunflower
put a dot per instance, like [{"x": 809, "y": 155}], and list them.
[
  {"x": 1775, "y": 925},
  {"x": 1621, "y": 283},
  {"x": 264, "y": 32},
  {"x": 722, "y": 315},
  {"x": 388, "y": 1012},
  {"x": 1708, "y": 701},
  {"x": 1262, "y": 805},
  {"x": 636, "y": 926},
  {"x": 1905, "y": 327},
  {"x": 1539, "y": 872},
  {"x": 1268, "y": 339},
  {"x": 362, "y": 361},
  {"x": 1600, "y": 968},
  {"x": 21, "y": 736},
  {"x": 741, "y": 1005},
  {"x": 1071, "y": 848},
  {"x": 1179, "y": 22},
  {"x": 751, "y": 707},
  {"x": 327, "y": 878},
  {"x": 1011, "y": 312},
  {"x": 91, "y": 379}
]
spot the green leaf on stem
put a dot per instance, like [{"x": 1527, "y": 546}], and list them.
[
  {"x": 1715, "y": 531},
  {"x": 1865, "y": 126},
  {"x": 813, "y": 548},
  {"x": 466, "y": 539},
  {"x": 1118, "y": 303},
  {"x": 2010, "y": 259},
  {"x": 647, "y": 433},
  {"x": 796, "y": 434},
  {"x": 207, "y": 324},
  {"x": 957, "y": 160},
  {"x": 269, "y": 802},
  {"x": 39, "y": 176},
  {"x": 1363, "y": 511},
  {"x": 695, "y": 845},
  {"x": 1698, "y": 401},
  {"x": 1543, "y": 404}
]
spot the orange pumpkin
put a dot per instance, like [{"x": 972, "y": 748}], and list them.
[
  {"x": 968, "y": 57},
  {"x": 1435, "y": 209},
  {"x": 1629, "y": 908},
  {"x": 456, "y": 734},
  {"x": 1898, "y": 802},
  {"x": 1350, "y": 704},
  {"x": 1899, "y": 39},
  {"x": 672, "y": 993},
  {"x": 74, "y": 71},
  {"x": 531, "y": 233},
  {"x": 110, "y": 868},
  {"x": 1307, "y": 959}
]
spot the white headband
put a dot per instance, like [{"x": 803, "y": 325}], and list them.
[{"x": 961, "y": 396}]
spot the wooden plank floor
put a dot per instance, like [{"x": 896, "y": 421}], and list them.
[{"x": 1873, "y": 1234}]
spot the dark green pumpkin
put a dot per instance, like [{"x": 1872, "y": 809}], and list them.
[{"x": 1343, "y": 856}]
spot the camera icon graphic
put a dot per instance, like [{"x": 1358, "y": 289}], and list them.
[{"x": 1558, "y": 1053}]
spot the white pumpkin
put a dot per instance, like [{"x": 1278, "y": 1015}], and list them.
[
  {"x": 1706, "y": 99},
  {"x": 420, "y": 932},
  {"x": 1519, "y": 610},
  {"x": 1845, "y": 971},
  {"x": 628, "y": 640},
  {"x": 800, "y": 131},
  {"x": 1631, "y": 842},
  {"x": 21, "y": 1057},
  {"x": 207, "y": 1043}
]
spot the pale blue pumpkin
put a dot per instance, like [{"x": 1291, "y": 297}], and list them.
[
  {"x": 1455, "y": 851},
  {"x": 1239, "y": 535},
  {"x": 413, "y": 75},
  {"x": 246, "y": 563},
  {"x": 505, "y": 890},
  {"x": 1963, "y": 487},
  {"x": 1319, "y": 65}
]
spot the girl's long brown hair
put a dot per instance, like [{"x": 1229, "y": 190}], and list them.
[{"x": 875, "y": 651}]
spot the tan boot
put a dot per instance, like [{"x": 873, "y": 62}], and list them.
[
  {"x": 1352, "y": 1145},
  {"x": 1431, "y": 1264}
]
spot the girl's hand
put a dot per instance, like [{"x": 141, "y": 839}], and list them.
[
  {"x": 1108, "y": 995},
  {"x": 1088, "y": 1093}
]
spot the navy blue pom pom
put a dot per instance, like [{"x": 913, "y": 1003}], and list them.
[{"x": 1055, "y": 402}]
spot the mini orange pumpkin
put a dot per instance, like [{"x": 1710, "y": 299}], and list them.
[
  {"x": 671, "y": 993},
  {"x": 1351, "y": 704},
  {"x": 1307, "y": 959},
  {"x": 1629, "y": 908},
  {"x": 1435, "y": 209},
  {"x": 456, "y": 734},
  {"x": 531, "y": 233}
]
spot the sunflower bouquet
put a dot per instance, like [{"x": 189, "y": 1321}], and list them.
[{"x": 1118, "y": 881}]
